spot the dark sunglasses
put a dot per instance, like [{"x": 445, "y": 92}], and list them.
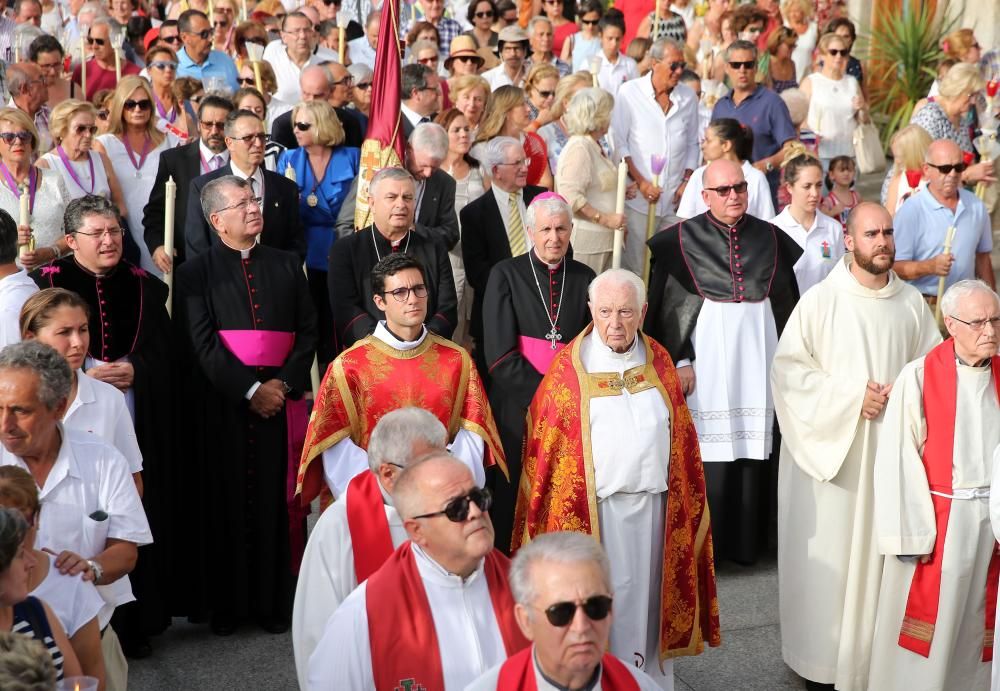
[
  {"x": 209, "y": 125},
  {"x": 247, "y": 81},
  {"x": 10, "y": 137},
  {"x": 843, "y": 52},
  {"x": 467, "y": 58},
  {"x": 484, "y": 15},
  {"x": 163, "y": 65},
  {"x": 546, "y": 94},
  {"x": 946, "y": 168},
  {"x": 303, "y": 126},
  {"x": 591, "y": 22},
  {"x": 331, "y": 2},
  {"x": 220, "y": 25},
  {"x": 95, "y": 41},
  {"x": 103, "y": 114},
  {"x": 724, "y": 190},
  {"x": 745, "y": 65},
  {"x": 596, "y": 608},
  {"x": 144, "y": 104},
  {"x": 203, "y": 35},
  {"x": 364, "y": 86},
  {"x": 81, "y": 130},
  {"x": 675, "y": 66},
  {"x": 171, "y": 39},
  {"x": 457, "y": 509}
]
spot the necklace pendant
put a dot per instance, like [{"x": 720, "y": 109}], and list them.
[
  {"x": 553, "y": 336},
  {"x": 138, "y": 174},
  {"x": 312, "y": 200}
]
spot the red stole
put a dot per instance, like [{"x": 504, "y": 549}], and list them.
[
  {"x": 518, "y": 672},
  {"x": 940, "y": 403},
  {"x": 404, "y": 644},
  {"x": 371, "y": 541}
]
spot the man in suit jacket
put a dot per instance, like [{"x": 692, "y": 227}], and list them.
[
  {"x": 184, "y": 164},
  {"x": 421, "y": 92},
  {"x": 498, "y": 232},
  {"x": 329, "y": 82},
  {"x": 435, "y": 189},
  {"x": 279, "y": 196},
  {"x": 392, "y": 198}
]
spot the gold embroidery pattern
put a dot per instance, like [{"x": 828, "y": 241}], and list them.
[
  {"x": 919, "y": 630},
  {"x": 635, "y": 380}
]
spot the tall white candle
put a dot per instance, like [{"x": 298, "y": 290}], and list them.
[
  {"x": 170, "y": 199},
  {"x": 616, "y": 253}
]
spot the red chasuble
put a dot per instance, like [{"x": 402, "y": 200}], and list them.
[
  {"x": 372, "y": 378},
  {"x": 558, "y": 492},
  {"x": 401, "y": 631},
  {"x": 518, "y": 672},
  {"x": 371, "y": 541},
  {"x": 940, "y": 399}
]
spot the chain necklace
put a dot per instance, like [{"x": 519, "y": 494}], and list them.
[
  {"x": 405, "y": 248},
  {"x": 553, "y": 335}
]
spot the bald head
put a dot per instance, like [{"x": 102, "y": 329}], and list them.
[
  {"x": 418, "y": 486},
  {"x": 729, "y": 203},
  {"x": 870, "y": 240},
  {"x": 314, "y": 83},
  {"x": 944, "y": 180},
  {"x": 867, "y": 215},
  {"x": 943, "y": 151}
]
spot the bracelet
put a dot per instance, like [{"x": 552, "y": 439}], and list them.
[
  {"x": 597, "y": 217},
  {"x": 55, "y": 250},
  {"x": 97, "y": 569}
]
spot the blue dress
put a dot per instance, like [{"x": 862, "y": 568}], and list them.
[{"x": 319, "y": 220}]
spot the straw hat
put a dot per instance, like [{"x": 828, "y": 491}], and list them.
[{"x": 463, "y": 47}]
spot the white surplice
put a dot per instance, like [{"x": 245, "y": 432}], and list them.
[
  {"x": 469, "y": 640},
  {"x": 630, "y": 447},
  {"x": 327, "y": 576},
  {"x": 905, "y": 525},
  {"x": 995, "y": 522},
  {"x": 840, "y": 336}
]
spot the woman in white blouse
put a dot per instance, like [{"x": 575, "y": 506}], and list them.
[
  {"x": 836, "y": 104},
  {"x": 47, "y": 195},
  {"x": 73, "y": 126},
  {"x": 133, "y": 144},
  {"x": 59, "y": 318}
]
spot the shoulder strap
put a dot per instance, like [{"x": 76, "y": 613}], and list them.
[{"x": 32, "y": 611}]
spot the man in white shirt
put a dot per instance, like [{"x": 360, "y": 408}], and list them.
[
  {"x": 299, "y": 47},
  {"x": 351, "y": 539},
  {"x": 362, "y": 49},
  {"x": 655, "y": 116},
  {"x": 446, "y": 588},
  {"x": 15, "y": 286},
  {"x": 512, "y": 45},
  {"x": 616, "y": 67}
]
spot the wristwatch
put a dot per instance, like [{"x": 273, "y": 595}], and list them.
[
  {"x": 286, "y": 387},
  {"x": 597, "y": 218},
  {"x": 97, "y": 569}
]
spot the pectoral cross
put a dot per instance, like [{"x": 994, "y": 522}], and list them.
[{"x": 553, "y": 336}]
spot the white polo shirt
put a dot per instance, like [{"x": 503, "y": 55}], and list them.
[
  {"x": 99, "y": 409},
  {"x": 88, "y": 477},
  {"x": 822, "y": 246},
  {"x": 287, "y": 72}
]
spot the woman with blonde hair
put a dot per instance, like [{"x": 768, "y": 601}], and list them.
[
  {"x": 800, "y": 18},
  {"x": 555, "y": 134},
  {"x": 470, "y": 94},
  {"x": 73, "y": 125},
  {"x": 324, "y": 170},
  {"x": 133, "y": 144},
  {"x": 507, "y": 115},
  {"x": 540, "y": 85},
  {"x": 46, "y": 192},
  {"x": 961, "y": 45},
  {"x": 909, "y": 150}
]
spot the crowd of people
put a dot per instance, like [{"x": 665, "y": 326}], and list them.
[{"x": 617, "y": 314}]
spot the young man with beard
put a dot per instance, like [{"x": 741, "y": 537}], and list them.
[{"x": 830, "y": 387}]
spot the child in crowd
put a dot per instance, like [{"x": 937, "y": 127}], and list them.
[{"x": 840, "y": 182}]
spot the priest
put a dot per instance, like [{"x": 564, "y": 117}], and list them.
[
  {"x": 721, "y": 289},
  {"x": 401, "y": 364},
  {"x": 937, "y": 605},
  {"x": 129, "y": 349},
  {"x": 537, "y": 303},
  {"x": 830, "y": 387},
  {"x": 251, "y": 334},
  {"x": 439, "y": 612},
  {"x": 359, "y": 532},
  {"x": 612, "y": 452}
]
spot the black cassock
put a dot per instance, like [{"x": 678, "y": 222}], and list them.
[
  {"x": 128, "y": 318},
  {"x": 236, "y": 462},
  {"x": 515, "y": 306}
]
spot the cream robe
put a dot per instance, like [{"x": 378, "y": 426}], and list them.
[
  {"x": 840, "y": 336},
  {"x": 904, "y": 521},
  {"x": 630, "y": 446},
  {"x": 995, "y": 521},
  {"x": 327, "y": 577}
]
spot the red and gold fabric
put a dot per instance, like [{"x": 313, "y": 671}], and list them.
[
  {"x": 372, "y": 378},
  {"x": 558, "y": 491},
  {"x": 518, "y": 672}
]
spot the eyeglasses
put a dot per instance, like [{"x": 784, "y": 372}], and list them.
[
  {"x": 403, "y": 294},
  {"x": 247, "y": 81},
  {"x": 209, "y": 125},
  {"x": 171, "y": 39},
  {"x": 163, "y": 65},
  {"x": 251, "y": 138},
  {"x": 546, "y": 94},
  {"x": 304, "y": 31},
  {"x": 488, "y": 14},
  {"x": 520, "y": 163},
  {"x": 364, "y": 86},
  {"x": 346, "y": 81},
  {"x": 743, "y": 65},
  {"x": 9, "y": 137},
  {"x": 250, "y": 203},
  {"x": 597, "y": 608},
  {"x": 103, "y": 114},
  {"x": 331, "y": 2},
  {"x": 203, "y": 35},
  {"x": 46, "y": 66},
  {"x": 144, "y": 104},
  {"x": 980, "y": 324},
  {"x": 95, "y": 41},
  {"x": 428, "y": 61},
  {"x": 112, "y": 233},
  {"x": 590, "y": 22},
  {"x": 457, "y": 509},
  {"x": 724, "y": 190},
  {"x": 303, "y": 126},
  {"x": 678, "y": 66},
  {"x": 842, "y": 52},
  {"x": 220, "y": 25},
  {"x": 946, "y": 168},
  {"x": 81, "y": 130}
]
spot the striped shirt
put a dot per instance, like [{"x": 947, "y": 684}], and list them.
[{"x": 29, "y": 615}]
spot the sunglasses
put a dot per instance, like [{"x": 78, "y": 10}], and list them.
[
  {"x": 744, "y": 65},
  {"x": 724, "y": 190},
  {"x": 95, "y": 41},
  {"x": 364, "y": 86},
  {"x": 203, "y": 35},
  {"x": 546, "y": 94},
  {"x": 842, "y": 52},
  {"x": 590, "y": 22},
  {"x": 488, "y": 14},
  {"x": 247, "y": 81},
  {"x": 467, "y": 58},
  {"x": 597, "y": 608},
  {"x": 428, "y": 61},
  {"x": 948, "y": 167},
  {"x": 163, "y": 65},
  {"x": 144, "y": 104},
  {"x": 457, "y": 509},
  {"x": 678, "y": 66},
  {"x": 81, "y": 130},
  {"x": 10, "y": 137},
  {"x": 171, "y": 39},
  {"x": 331, "y": 2},
  {"x": 209, "y": 125},
  {"x": 303, "y": 126},
  {"x": 251, "y": 138},
  {"x": 103, "y": 114},
  {"x": 220, "y": 25}
]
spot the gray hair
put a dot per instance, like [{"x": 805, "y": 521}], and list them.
[
  {"x": 559, "y": 548},
  {"x": 360, "y": 71},
  {"x": 588, "y": 111},
  {"x": 960, "y": 290},
  {"x": 618, "y": 277},
  {"x": 213, "y": 194},
  {"x": 739, "y": 44},
  {"x": 91, "y": 7},
  {"x": 551, "y": 205},
  {"x": 87, "y": 205},
  {"x": 396, "y": 433},
  {"x": 423, "y": 44},
  {"x": 659, "y": 49},
  {"x": 406, "y": 492},
  {"x": 496, "y": 150},
  {"x": 537, "y": 19},
  {"x": 55, "y": 378},
  {"x": 430, "y": 138},
  {"x": 25, "y": 664},
  {"x": 388, "y": 174},
  {"x": 113, "y": 26},
  {"x": 18, "y": 79}
]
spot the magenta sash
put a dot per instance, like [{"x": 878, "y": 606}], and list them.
[
  {"x": 296, "y": 421},
  {"x": 258, "y": 348},
  {"x": 538, "y": 351}
]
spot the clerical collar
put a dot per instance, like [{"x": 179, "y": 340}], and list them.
[
  {"x": 589, "y": 686},
  {"x": 383, "y": 333},
  {"x": 550, "y": 267},
  {"x": 244, "y": 253},
  {"x": 981, "y": 364},
  {"x": 715, "y": 221},
  {"x": 107, "y": 274}
]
